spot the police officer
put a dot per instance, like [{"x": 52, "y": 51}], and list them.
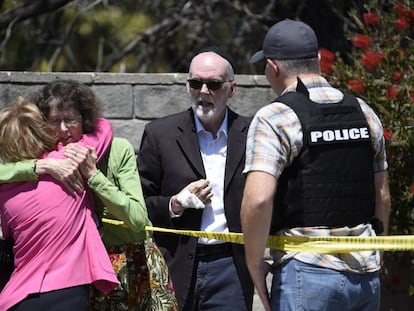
[{"x": 318, "y": 155}]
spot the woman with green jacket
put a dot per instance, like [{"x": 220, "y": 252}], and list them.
[{"x": 119, "y": 203}]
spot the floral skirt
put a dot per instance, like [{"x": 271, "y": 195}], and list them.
[{"x": 144, "y": 281}]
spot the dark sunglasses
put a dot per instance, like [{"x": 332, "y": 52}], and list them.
[{"x": 211, "y": 85}]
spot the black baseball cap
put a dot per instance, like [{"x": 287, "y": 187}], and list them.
[{"x": 288, "y": 39}]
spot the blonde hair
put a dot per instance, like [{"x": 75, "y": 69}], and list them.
[{"x": 24, "y": 133}]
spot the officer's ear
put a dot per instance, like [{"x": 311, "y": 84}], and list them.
[{"x": 273, "y": 64}]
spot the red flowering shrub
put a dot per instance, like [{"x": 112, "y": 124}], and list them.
[
  {"x": 392, "y": 92},
  {"x": 396, "y": 76},
  {"x": 401, "y": 24},
  {"x": 387, "y": 134},
  {"x": 371, "y": 60},
  {"x": 361, "y": 41},
  {"x": 370, "y": 18},
  {"x": 380, "y": 70},
  {"x": 411, "y": 189},
  {"x": 327, "y": 59},
  {"x": 356, "y": 86}
]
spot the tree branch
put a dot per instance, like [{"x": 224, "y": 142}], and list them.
[{"x": 30, "y": 9}]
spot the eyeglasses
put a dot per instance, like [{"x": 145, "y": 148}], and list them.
[
  {"x": 67, "y": 121},
  {"x": 211, "y": 85}
]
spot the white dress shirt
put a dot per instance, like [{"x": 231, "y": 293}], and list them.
[{"x": 213, "y": 152}]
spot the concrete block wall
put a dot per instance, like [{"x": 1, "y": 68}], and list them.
[{"x": 132, "y": 100}]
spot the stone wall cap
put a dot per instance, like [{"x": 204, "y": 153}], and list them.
[{"x": 29, "y": 77}]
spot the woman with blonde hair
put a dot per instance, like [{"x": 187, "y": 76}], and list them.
[
  {"x": 23, "y": 132},
  {"x": 71, "y": 108},
  {"x": 57, "y": 247}
]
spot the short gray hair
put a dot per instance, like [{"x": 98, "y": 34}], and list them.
[{"x": 295, "y": 67}]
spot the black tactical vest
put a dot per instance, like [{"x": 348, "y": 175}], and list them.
[{"x": 331, "y": 182}]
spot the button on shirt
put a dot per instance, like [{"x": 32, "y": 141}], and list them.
[{"x": 213, "y": 152}]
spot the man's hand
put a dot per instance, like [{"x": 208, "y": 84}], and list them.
[
  {"x": 63, "y": 170},
  {"x": 259, "y": 280},
  {"x": 200, "y": 188}
]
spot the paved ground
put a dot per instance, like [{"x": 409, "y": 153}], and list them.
[{"x": 257, "y": 305}]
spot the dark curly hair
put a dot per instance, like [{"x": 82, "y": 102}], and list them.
[{"x": 70, "y": 94}]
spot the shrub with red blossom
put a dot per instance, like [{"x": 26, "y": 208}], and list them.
[
  {"x": 370, "y": 18},
  {"x": 392, "y": 92},
  {"x": 327, "y": 59},
  {"x": 387, "y": 134},
  {"x": 380, "y": 70},
  {"x": 356, "y": 86},
  {"x": 361, "y": 41},
  {"x": 371, "y": 60},
  {"x": 411, "y": 189}
]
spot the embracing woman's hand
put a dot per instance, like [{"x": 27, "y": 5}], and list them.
[
  {"x": 64, "y": 170},
  {"x": 85, "y": 157}
]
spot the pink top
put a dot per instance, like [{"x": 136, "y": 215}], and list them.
[{"x": 57, "y": 244}]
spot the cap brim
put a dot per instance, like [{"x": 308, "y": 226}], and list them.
[{"x": 258, "y": 56}]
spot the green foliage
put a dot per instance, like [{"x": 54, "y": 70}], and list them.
[
  {"x": 150, "y": 35},
  {"x": 380, "y": 70},
  {"x": 77, "y": 36}
]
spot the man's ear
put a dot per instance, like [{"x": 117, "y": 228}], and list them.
[
  {"x": 233, "y": 88},
  {"x": 273, "y": 64}
]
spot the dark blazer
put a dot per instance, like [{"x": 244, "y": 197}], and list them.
[{"x": 168, "y": 160}]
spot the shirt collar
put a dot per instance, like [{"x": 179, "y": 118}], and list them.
[{"x": 309, "y": 82}]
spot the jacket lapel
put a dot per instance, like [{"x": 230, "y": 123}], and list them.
[
  {"x": 188, "y": 142},
  {"x": 236, "y": 145}
]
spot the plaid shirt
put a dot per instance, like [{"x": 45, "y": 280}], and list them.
[{"x": 275, "y": 139}]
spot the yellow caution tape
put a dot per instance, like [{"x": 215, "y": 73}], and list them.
[
  {"x": 114, "y": 222},
  {"x": 317, "y": 244}
]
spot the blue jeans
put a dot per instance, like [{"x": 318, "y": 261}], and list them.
[
  {"x": 299, "y": 286},
  {"x": 217, "y": 286}
]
